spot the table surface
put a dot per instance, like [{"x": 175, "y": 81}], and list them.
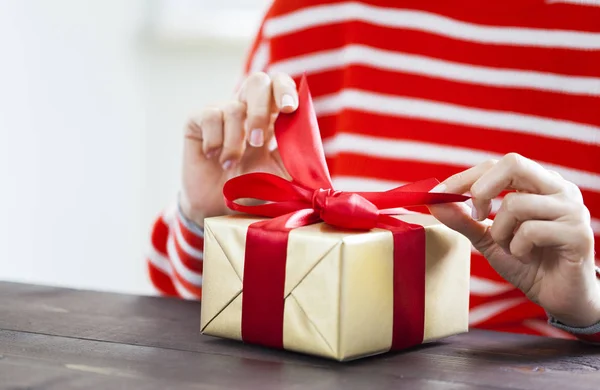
[{"x": 53, "y": 338}]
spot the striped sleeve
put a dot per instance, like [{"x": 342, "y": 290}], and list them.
[{"x": 175, "y": 259}]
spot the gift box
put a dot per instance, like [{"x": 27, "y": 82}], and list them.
[{"x": 334, "y": 274}]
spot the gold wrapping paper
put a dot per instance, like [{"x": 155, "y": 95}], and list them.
[{"x": 336, "y": 283}]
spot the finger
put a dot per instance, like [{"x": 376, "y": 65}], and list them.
[
  {"x": 193, "y": 144},
  {"x": 520, "y": 207},
  {"x": 269, "y": 136},
  {"x": 285, "y": 93},
  {"x": 257, "y": 95},
  {"x": 211, "y": 127},
  {"x": 462, "y": 181},
  {"x": 516, "y": 172},
  {"x": 457, "y": 216},
  {"x": 481, "y": 208},
  {"x": 234, "y": 137},
  {"x": 540, "y": 234}
]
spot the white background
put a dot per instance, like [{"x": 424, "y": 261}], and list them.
[{"x": 93, "y": 98}]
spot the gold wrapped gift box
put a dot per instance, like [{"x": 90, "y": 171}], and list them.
[{"x": 338, "y": 286}]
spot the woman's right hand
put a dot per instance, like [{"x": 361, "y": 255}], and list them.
[{"x": 231, "y": 139}]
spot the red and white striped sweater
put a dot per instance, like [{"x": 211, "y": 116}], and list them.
[{"x": 407, "y": 89}]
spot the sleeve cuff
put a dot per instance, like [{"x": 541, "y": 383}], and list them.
[
  {"x": 590, "y": 333},
  {"x": 188, "y": 223},
  {"x": 590, "y": 330}
]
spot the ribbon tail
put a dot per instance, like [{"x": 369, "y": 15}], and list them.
[
  {"x": 280, "y": 195},
  {"x": 395, "y": 199},
  {"x": 419, "y": 186}
]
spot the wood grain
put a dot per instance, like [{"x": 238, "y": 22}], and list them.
[{"x": 60, "y": 338}]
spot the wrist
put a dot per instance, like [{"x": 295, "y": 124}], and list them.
[
  {"x": 587, "y": 310},
  {"x": 191, "y": 218}
]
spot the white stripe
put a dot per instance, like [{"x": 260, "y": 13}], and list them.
[
  {"x": 590, "y": 3},
  {"x": 496, "y": 204},
  {"x": 451, "y": 113},
  {"x": 484, "y": 312},
  {"x": 183, "y": 292},
  {"x": 425, "y": 152},
  {"x": 428, "y": 22},
  {"x": 260, "y": 59},
  {"x": 170, "y": 213},
  {"x": 545, "y": 329},
  {"x": 485, "y": 287},
  {"x": 190, "y": 276},
  {"x": 596, "y": 226},
  {"x": 409, "y": 63},
  {"x": 164, "y": 265},
  {"x": 353, "y": 183},
  {"x": 159, "y": 261},
  {"x": 185, "y": 246}
]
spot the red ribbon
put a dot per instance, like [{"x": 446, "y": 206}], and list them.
[{"x": 310, "y": 198}]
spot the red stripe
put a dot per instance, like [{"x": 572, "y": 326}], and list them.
[
  {"x": 192, "y": 288},
  {"x": 477, "y": 300},
  {"x": 188, "y": 261},
  {"x": 481, "y": 268},
  {"x": 581, "y": 109},
  {"x": 160, "y": 234},
  {"x": 334, "y": 36},
  {"x": 592, "y": 201},
  {"x": 530, "y": 13},
  {"x": 161, "y": 281},
  {"x": 195, "y": 241},
  {"x": 560, "y": 152},
  {"x": 526, "y": 13},
  {"x": 515, "y": 314}
]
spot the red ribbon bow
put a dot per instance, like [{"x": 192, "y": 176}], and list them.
[{"x": 310, "y": 198}]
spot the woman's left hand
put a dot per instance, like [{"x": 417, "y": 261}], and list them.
[{"x": 541, "y": 239}]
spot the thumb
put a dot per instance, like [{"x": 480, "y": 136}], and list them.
[{"x": 457, "y": 216}]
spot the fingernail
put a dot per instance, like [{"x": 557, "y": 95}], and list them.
[
  {"x": 212, "y": 153},
  {"x": 272, "y": 144},
  {"x": 228, "y": 164},
  {"x": 475, "y": 214},
  {"x": 440, "y": 188},
  {"x": 287, "y": 101},
  {"x": 257, "y": 138}
]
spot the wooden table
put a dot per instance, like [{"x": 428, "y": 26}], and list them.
[{"x": 52, "y": 338}]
